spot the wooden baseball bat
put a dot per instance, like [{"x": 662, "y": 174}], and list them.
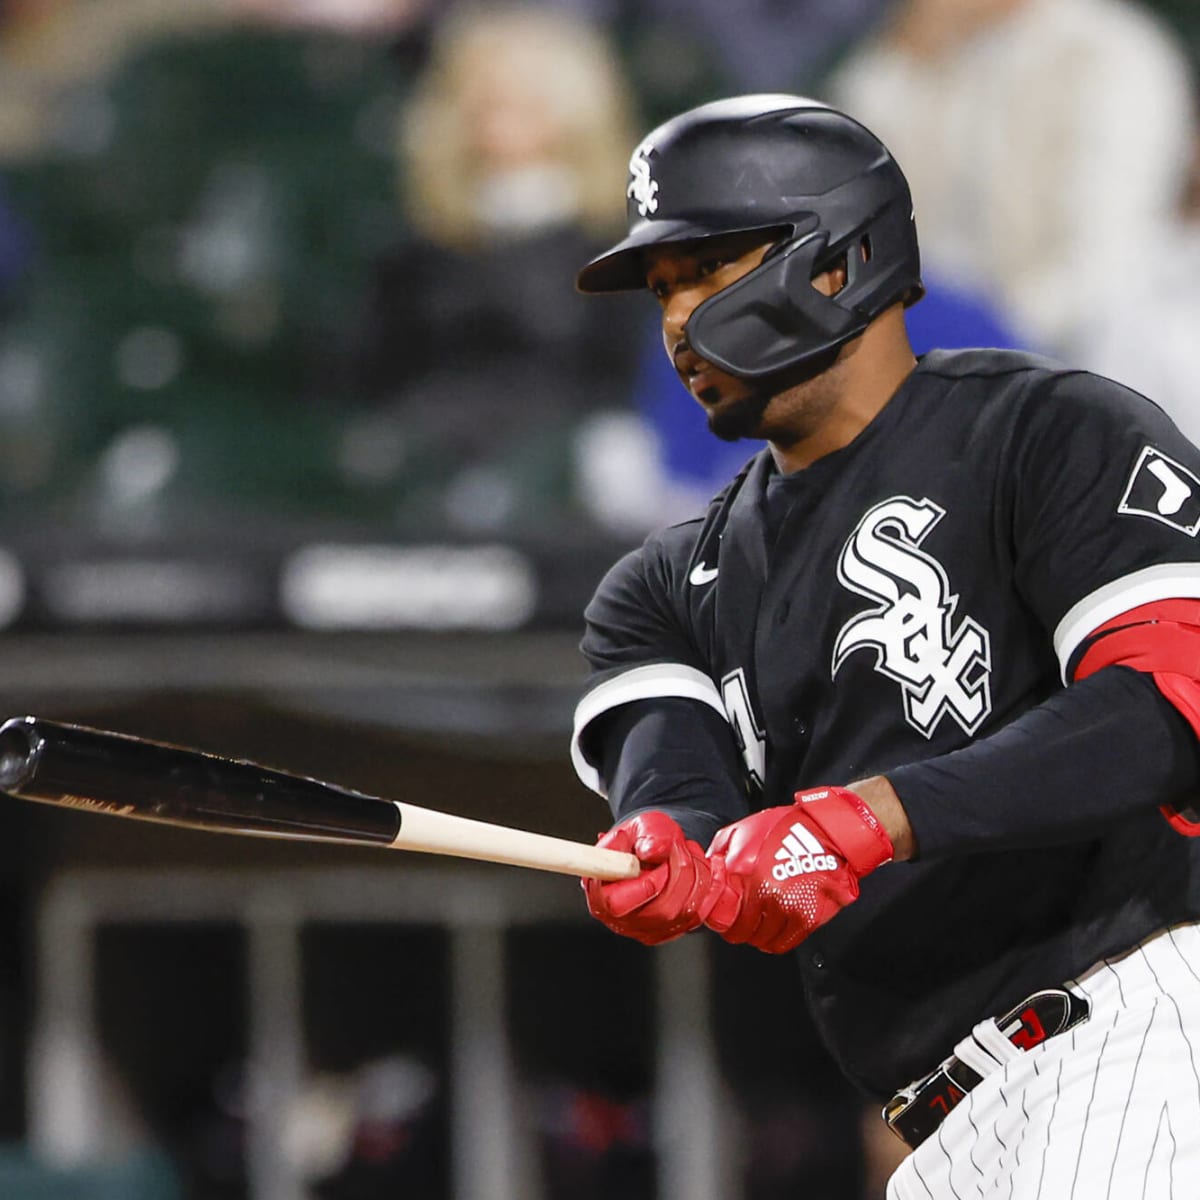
[{"x": 73, "y": 766}]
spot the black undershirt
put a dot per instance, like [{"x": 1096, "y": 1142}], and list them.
[
  {"x": 1073, "y": 765},
  {"x": 673, "y": 755}
]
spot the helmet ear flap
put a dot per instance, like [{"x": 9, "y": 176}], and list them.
[{"x": 884, "y": 263}]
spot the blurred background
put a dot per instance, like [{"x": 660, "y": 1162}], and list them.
[{"x": 310, "y": 454}]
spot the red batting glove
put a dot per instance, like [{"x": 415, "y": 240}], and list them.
[
  {"x": 780, "y": 873},
  {"x": 667, "y": 898}
]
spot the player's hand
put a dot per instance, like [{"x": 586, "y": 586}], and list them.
[
  {"x": 780, "y": 873},
  {"x": 669, "y": 897}
]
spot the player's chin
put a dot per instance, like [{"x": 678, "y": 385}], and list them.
[{"x": 733, "y": 417}]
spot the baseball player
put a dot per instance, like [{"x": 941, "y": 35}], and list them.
[{"x": 924, "y": 680}]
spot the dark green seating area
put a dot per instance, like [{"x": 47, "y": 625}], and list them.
[{"x": 189, "y": 268}]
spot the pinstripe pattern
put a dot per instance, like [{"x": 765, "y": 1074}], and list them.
[
  {"x": 1125, "y": 1107},
  {"x": 1157, "y": 1181},
  {"x": 1041, "y": 1177},
  {"x": 1097, "y": 1114}
]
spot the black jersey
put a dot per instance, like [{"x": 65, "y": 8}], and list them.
[{"x": 895, "y": 601}]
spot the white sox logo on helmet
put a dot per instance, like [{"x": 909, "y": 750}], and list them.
[
  {"x": 942, "y": 668},
  {"x": 642, "y": 188}
]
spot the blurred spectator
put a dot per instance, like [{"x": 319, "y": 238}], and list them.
[
  {"x": 1044, "y": 140},
  {"x": 1147, "y": 339},
  {"x": 479, "y": 360}
]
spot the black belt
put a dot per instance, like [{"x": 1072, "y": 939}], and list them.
[{"x": 915, "y": 1111}]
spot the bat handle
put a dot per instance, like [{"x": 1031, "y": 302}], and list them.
[{"x": 425, "y": 829}]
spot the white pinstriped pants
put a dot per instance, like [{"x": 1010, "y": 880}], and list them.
[{"x": 1107, "y": 1111}]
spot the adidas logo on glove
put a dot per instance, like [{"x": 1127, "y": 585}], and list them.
[{"x": 801, "y": 854}]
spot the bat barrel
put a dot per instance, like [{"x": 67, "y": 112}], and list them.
[
  {"x": 77, "y": 767},
  {"x": 73, "y": 766}
]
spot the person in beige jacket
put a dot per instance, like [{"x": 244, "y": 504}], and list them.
[{"x": 1045, "y": 142}]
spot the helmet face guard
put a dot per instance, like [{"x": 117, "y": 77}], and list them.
[
  {"x": 800, "y": 172},
  {"x": 774, "y": 320}
]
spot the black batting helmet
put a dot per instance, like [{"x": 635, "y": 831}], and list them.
[{"x": 799, "y": 171}]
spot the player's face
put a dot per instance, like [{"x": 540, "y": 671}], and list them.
[{"x": 682, "y": 277}]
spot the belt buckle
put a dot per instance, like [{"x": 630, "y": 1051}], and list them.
[{"x": 916, "y": 1110}]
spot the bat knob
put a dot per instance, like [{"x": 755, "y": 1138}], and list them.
[{"x": 18, "y": 748}]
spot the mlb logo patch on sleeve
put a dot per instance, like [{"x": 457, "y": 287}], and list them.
[{"x": 1163, "y": 490}]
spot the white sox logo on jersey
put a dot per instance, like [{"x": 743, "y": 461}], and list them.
[
  {"x": 642, "y": 189},
  {"x": 1163, "y": 490},
  {"x": 941, "y": 668}
]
